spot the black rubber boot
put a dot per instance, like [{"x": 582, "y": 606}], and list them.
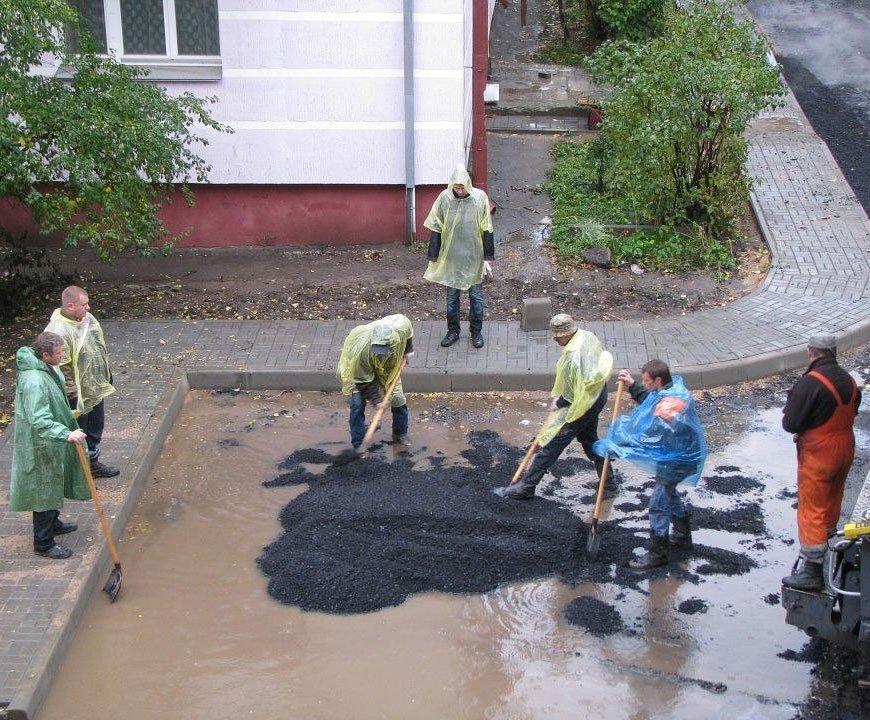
[
  {"x": 681, "y": 533},
  {"x": 809, "y": 577},
  {"x": 518, "y": 491},
  {"x": 656, "y": 556}
]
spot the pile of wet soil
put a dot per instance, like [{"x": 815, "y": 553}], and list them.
[{"x": 369, "y": 533}]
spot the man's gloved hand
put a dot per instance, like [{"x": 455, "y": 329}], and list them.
[
  {"x": 557, "y": 403},
  {"x": 371, "y": 391}
]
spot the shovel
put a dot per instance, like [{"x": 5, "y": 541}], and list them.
[
  {"x": 346, "y": 457},
  {"x": 113, "y": 584},
  {"x": 594, "y": 540}
]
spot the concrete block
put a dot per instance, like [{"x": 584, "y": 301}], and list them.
[{"x": 536, "y": 314}]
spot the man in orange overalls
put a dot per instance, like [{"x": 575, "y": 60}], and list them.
[{"x": 820, "y": 411}]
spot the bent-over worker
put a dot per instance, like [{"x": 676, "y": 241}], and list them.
[{"x": 370, "y": 359}]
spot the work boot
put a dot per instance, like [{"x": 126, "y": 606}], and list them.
[
  {"x": 808, "y": 578},
  {"x": 401, "y": 441},
  {"x": 62, "y": 528},
  {"x": 451, "y": 337},
  {"x": 99, "y": 470},
  {"x": 477, "y": 340},
  {"x": 656, "y": 556},
  {"x": 518, "y": 491},
  {"x": 55, "y": 552},
  {"x": 681, "y": 533}
]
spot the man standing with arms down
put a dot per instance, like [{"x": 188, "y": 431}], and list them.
[
  {"x": 820, "y": 411},
  {"x": 460, "y": 249},
  {"x": 85, "y": 366},
  {"x": 579, "y": 395},
  {"x": 45, "y": 466}
]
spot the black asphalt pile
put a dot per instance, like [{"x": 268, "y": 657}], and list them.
[
  {"x": 369, "y": 533},
  {"x": 595, "y": 616}
]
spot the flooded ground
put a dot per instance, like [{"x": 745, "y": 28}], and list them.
[{"x": 197, "y": 634}]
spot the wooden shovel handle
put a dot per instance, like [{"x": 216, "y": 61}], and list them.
[
  {"x": 86, "y": 466},
  {"x": 385, "y": 403},
  {"x": 533, "y": 448},
  {"x": 606, "y": 466}
]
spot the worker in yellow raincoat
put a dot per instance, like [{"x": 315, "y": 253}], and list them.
[
  {"x": 370, "y": 359},
  {"x": 461, "y": 249},
  {"x": 85, "y": 367},
  {"x": 578, "y": 397}
]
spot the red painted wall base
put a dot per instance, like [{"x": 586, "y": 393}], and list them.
[{"x": 266, "y": 215}]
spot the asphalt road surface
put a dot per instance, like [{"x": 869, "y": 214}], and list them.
[{"x": 824, "y": 49}]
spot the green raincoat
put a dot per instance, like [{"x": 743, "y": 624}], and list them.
[
  {"x": 45, "y": 467},
  {"x": 85, "y": 363},
  {"x": 581, "y": 372},
  {"x": 358, "y": 364},
  {"x": 461, "y": 222}
]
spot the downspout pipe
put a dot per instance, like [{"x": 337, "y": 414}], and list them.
[
  {"x": 410, "y": 181},
  {"x": 479, "y": 63}
]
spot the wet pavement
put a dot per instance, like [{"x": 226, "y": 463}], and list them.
[
  {"x": 702, "y": 636},
  {"x": 819, "y": 280}
]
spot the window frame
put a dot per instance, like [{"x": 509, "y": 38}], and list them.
[{"x": 170, "y": 66}]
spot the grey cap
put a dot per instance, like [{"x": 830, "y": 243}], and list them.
[
  {"x": 823, "y": 341},
  {"x": 562, "y": 325}
]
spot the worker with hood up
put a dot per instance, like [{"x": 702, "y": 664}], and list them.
[
  {"x": 461, "y": 250},
  {"x": 370, "y": 359}
]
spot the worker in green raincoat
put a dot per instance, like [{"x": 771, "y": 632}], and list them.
[
  {"x": 461, "y": 249},
  {"x": 85, "y": 366},
  {"x": 579, "y": 395},
  {"x": 370, "y": 359},
  {"x": 45, "y": 465}
]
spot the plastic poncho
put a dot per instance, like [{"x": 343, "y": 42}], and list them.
[
  {"x": 662, "y": 435},
  {"x": 85, "y": 362},
  {"x": 358, "y": 364},
  {"x": 461, "y": 222},
  {"x": 45, "y": 467},
  {"x": 581, "y": 372}
]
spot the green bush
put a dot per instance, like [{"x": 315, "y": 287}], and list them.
[
  {"x": 582, "y": 212},
  {"x": 677, "y": 113}
]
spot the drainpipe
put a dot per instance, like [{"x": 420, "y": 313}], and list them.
[
  {"x": 479, "y": 62},
  {"x": 410, "y": 182}
]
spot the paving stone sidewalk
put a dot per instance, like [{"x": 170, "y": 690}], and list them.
[{"x": 819, "y": 280}]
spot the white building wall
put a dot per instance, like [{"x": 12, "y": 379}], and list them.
[{"x": 314, "y": 90}]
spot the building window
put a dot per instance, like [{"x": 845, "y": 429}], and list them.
[{"x": 149, "y": 32}]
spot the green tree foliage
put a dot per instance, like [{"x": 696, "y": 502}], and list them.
[
  {"x": 611, "y": 19},
  {"x": 677, "y": 113},
  {"x": 94, "y": 156}
]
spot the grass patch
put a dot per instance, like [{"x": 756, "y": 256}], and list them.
[{"x": 584, "y": 208}]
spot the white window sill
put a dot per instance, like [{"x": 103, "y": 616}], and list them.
[{"x": 166, "y": 70}]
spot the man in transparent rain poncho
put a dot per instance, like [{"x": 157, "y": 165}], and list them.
[
  {"x": 579, "y": 395},
  {"x": 664, "y": 436},
  {"x": 85, "y": 367},
  {"x": 370, "y": 359},
  {"x": 461, "y": 250}
]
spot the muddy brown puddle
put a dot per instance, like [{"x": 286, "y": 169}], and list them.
[{"x": 196, "y": 635}]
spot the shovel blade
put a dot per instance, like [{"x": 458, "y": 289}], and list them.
[
  {"x": 113, "y": 584},
  {"x": 592, "y": 544}
]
